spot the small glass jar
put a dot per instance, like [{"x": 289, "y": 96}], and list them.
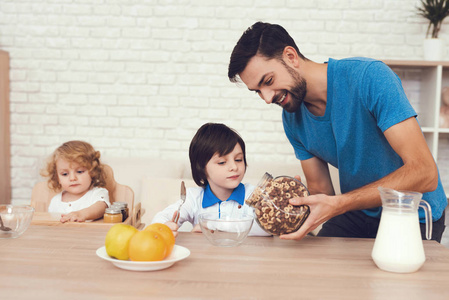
[
  {"x": 112, "y": 215},
  {"x": 270, "y": 200},
  {"x": 123, "y": 206}
]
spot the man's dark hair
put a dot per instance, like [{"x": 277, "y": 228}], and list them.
[
  {"x": 211, "y": 138},
  {"x": 268, "y": 40}
]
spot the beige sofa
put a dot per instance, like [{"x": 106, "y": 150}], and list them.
[{"x": 156, "y": 183}]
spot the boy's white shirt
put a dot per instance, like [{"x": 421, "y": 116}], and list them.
[
  {"x": 192, "y": 208},
  {"x": 92, "y": 196}
]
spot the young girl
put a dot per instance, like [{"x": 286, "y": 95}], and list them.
[
  {"x": 218, "y": 163},
  {"x": 75, "y": 169}
]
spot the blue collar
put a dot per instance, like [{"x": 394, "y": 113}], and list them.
[{"x": 210, "y": 199}]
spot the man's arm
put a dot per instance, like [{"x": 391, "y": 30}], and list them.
[
  {"x": 419, "y": 173},
  {"x": 318, "y": 176}
]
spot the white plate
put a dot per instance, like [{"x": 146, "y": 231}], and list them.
[{"x": 178, "y": 253}]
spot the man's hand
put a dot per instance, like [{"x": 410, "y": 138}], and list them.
[{"x": 322, "y": 208}]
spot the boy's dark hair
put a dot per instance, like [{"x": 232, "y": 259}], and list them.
[
  {"x": 268, "y": 40},
  {"x": 211, "y": 138}
]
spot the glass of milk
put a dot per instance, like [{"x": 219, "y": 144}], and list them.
[{"x": 398, "y": 246}]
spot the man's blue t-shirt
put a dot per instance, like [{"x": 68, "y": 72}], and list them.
[{"x": 364, "y": 98}]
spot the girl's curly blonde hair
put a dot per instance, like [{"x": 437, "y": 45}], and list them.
[{"x": 79, "y": 152}]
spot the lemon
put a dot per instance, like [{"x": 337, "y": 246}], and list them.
[{"x": 117, "y": 240}]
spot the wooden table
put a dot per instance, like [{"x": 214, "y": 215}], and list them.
[
  {"x": 53, "y": 219},
  {"x": 57, "y": 262}
]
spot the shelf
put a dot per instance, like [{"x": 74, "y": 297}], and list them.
[
  {"x": 434, "y": 130},
  {"x": 427, "y": 129},
  {"x": 415, "y": 63}
]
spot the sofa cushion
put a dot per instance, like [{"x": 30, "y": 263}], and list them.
[{"x": 130, "y": 171}]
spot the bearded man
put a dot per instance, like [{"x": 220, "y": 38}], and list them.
[{"x": 351, "y": 113}]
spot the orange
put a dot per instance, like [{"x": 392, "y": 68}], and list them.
[
  {"x": 166, "y": 233},
  {"x": 147, "y": 245}
]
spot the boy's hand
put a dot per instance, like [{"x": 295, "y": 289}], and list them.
[
  {"x": 197, "y": 228},
  {"x": 173, "y": 226}
]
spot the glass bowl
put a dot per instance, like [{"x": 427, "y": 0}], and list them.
[
  {"x": 224, "y": 230},
  {"x": 16, "y": 219},
  {"x": 270, "y": 200}
]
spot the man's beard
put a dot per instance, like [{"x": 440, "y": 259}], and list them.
[{"x": 297, "y": 92}]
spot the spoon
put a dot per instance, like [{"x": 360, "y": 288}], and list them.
[
  {"x": 3, "y": 227},
  {"x": 183, "y": 199}
]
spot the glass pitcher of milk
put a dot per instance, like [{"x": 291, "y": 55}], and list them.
[{"x": 398, "y": 246}]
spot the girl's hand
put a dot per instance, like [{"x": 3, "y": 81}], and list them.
[
  {"x": 93, "y": 212},
  {"x": 75, "y": 216}
]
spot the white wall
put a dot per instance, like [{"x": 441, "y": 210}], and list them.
[{"x": 137, "y": 78}]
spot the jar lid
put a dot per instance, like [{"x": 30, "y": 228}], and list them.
[
  {"x": 113, "y": 210},
  {"x": 120, "y": 204}
]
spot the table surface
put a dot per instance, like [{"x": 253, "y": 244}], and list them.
[
  {"x": 57, "y": 262},
  {"x": 53, "y": 219}
]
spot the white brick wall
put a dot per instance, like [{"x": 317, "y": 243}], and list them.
[{"x": 137, "y": 78}]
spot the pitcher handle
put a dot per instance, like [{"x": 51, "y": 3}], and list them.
[{"x": 428, "y": 214}]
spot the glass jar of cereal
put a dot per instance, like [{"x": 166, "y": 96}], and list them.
[{"x": 270, "y": 200}]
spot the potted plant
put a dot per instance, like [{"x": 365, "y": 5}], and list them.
[{"x": 435, "y": 11}]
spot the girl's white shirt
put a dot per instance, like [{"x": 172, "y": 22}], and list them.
[
  {"x": 192, "y": 208},
  {"x": 92, "y": 196}
]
